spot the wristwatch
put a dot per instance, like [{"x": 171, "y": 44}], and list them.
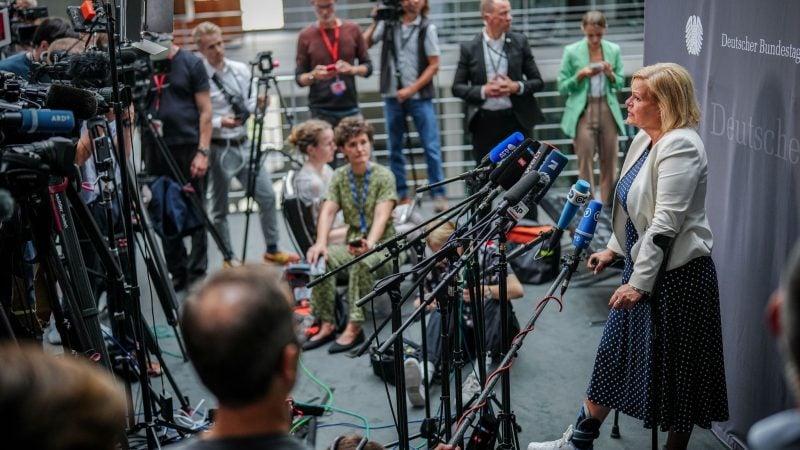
[
  {"x": 310, "y": 78},
  {"x": 203, "y": 151},
  {"x": 640, "y": 291}
]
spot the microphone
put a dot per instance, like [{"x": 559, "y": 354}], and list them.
[
  {"x": 508, "y": 172},
  {"x": 519, "y": 191},
  {"x": 577, "y": 197},
  {"x": 513, "y": 167},
  {"x": 38, "y": 120},
  {"x": 89, "y": 69},
  {"x": 552, "y": 167},
  {"x": 82, "y": 103},
  {"x": 503, "y": 149},
  {"x": 585, "y": 232}
]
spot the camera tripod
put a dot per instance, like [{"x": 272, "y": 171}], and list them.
[{"x": 264, "y": 64}]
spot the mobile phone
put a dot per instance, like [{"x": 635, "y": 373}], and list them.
[
  {"x": 596, "y": 66},
  {"x": 355, "y": 243},
  {"x": 330, "y": 67}
]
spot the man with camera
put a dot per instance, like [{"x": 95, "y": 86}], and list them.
[
  {"x": 409, "y": 61},
  {"x": 230, "y": 148},
  {"x": 48, "y": 31}
]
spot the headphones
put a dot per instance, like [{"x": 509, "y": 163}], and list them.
[{"x": 361, "y": 444}]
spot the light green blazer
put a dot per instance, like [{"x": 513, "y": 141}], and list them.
[{"x": 576, "y": 57}]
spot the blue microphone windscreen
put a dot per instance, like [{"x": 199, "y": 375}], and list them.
[
  {"x": 503, "y": 149},
  {"x": 47, "y": 121},
  {"x": 585, "y": 231}
]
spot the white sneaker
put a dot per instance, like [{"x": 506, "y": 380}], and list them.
[
  {"x": 414, "y": 390},
  {"x": 470, "y": 387},
  {"x": 562, "y": 443}
]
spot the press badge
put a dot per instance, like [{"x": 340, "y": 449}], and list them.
[{"x": 338, "y": 87}]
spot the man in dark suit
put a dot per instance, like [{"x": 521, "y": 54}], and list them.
[{"x": 497, "y": 77}]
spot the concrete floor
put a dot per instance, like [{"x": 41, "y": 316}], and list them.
[{"x": 548, "y": 379}]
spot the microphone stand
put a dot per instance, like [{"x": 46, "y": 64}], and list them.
[
  {"x": 452, "y": 212},
  {"x": 474, "y": 173},
  {"x": 570, "y": 264}
]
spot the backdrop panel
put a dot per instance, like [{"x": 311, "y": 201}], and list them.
[{"x": 744, "y": 56}]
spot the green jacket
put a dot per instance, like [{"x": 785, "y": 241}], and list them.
[{"x": 576, "y": 57}]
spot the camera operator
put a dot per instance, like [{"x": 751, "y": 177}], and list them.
[
  {"x": 49, "y": 30},
  {"x": 181, "y": 109},
  {"x": 230, "y": 148},
  {"x": 409, "y": 57}
]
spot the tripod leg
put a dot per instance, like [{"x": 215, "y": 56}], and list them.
[{"x": 615, "y": 428}]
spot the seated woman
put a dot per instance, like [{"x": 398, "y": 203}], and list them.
[
  {"x": 314, "y": 139},
  {"x": 364, "y": 191}
]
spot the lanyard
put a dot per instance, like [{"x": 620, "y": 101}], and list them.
[
  {"x": 501, "y": 56},
  {"x": 403, "y": 41},
  {"x": 159, "y": 81},
  {"x": 333, "y": 48},
  {"x": 360, "y": 202}
]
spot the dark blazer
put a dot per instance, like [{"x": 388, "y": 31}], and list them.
[{"x": 471, "y": 75}]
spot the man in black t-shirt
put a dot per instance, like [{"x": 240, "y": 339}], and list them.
[
  {"x": 240, "y": 337},
  {"x": 180, "y": 105}
]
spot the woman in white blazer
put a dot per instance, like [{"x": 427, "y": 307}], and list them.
[{"x": 661, "y": 191}]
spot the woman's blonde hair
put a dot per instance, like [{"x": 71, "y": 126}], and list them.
[
  {"x": 307, "y": 133},
  {"x": 672, "y": 89},
  {"x": 594, "y": 18},
  {"x": 439, "y": 233}
]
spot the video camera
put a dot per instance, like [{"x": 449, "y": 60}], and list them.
[
  {"x": 21, "y": 23},
  {"x": 264, "y": 62},
  {"x": 389, "y": 10}
]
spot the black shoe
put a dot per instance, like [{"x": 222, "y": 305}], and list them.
[
  {"x": 338, "y": 348},
  {"x": 311, "y": 345}
]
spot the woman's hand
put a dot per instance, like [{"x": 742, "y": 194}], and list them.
[
  {"x": 357, "y": 250},
  {"x": 625, "y": 297},
  {"x": 598, "y": 261},
  {"x": 315, "y": 251}
]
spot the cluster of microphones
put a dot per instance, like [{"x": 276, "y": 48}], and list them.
[{"x": 526, "y": 169}]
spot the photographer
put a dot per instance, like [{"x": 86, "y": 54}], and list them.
[
  {"x": 48, "y": 31},
  {"x": 230, "y": 147},
  {"x": 409, "y": 60}
]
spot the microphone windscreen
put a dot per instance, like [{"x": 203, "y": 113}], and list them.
[
  {"x": 575, "y": 199},
  {"x": 90, "y": 69},
  {"x": 504, "y": 148},
  {"x": 585, "y": 231},
  {"x": 499, "y": 171},
  {"x": 82, "y": 103},
  {"x": 552, "y": 167},
  {"x": 519, "y": 190}
]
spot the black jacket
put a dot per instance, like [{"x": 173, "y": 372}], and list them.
[{"x": 471, "y": 76}]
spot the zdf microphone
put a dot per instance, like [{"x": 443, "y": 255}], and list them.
[{"x": 577, "y": 197}]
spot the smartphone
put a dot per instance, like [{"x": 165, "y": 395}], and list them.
[
  {"x": 355, "y": 243},
  {"x": 596, "y": 66},
  {"x": 330, "y": 67}
]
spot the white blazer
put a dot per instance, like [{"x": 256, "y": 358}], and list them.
[{"x": 667, "y": 197}]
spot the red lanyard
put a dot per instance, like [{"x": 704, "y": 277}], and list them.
[
  {"x": 159, "y": 81},
  {"x": 333, "y": 49}
]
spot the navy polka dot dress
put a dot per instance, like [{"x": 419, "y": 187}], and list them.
[{"x": 689, "y": 366}]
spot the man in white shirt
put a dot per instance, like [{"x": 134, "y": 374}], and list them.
[{"x": 230, "y": 147}]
